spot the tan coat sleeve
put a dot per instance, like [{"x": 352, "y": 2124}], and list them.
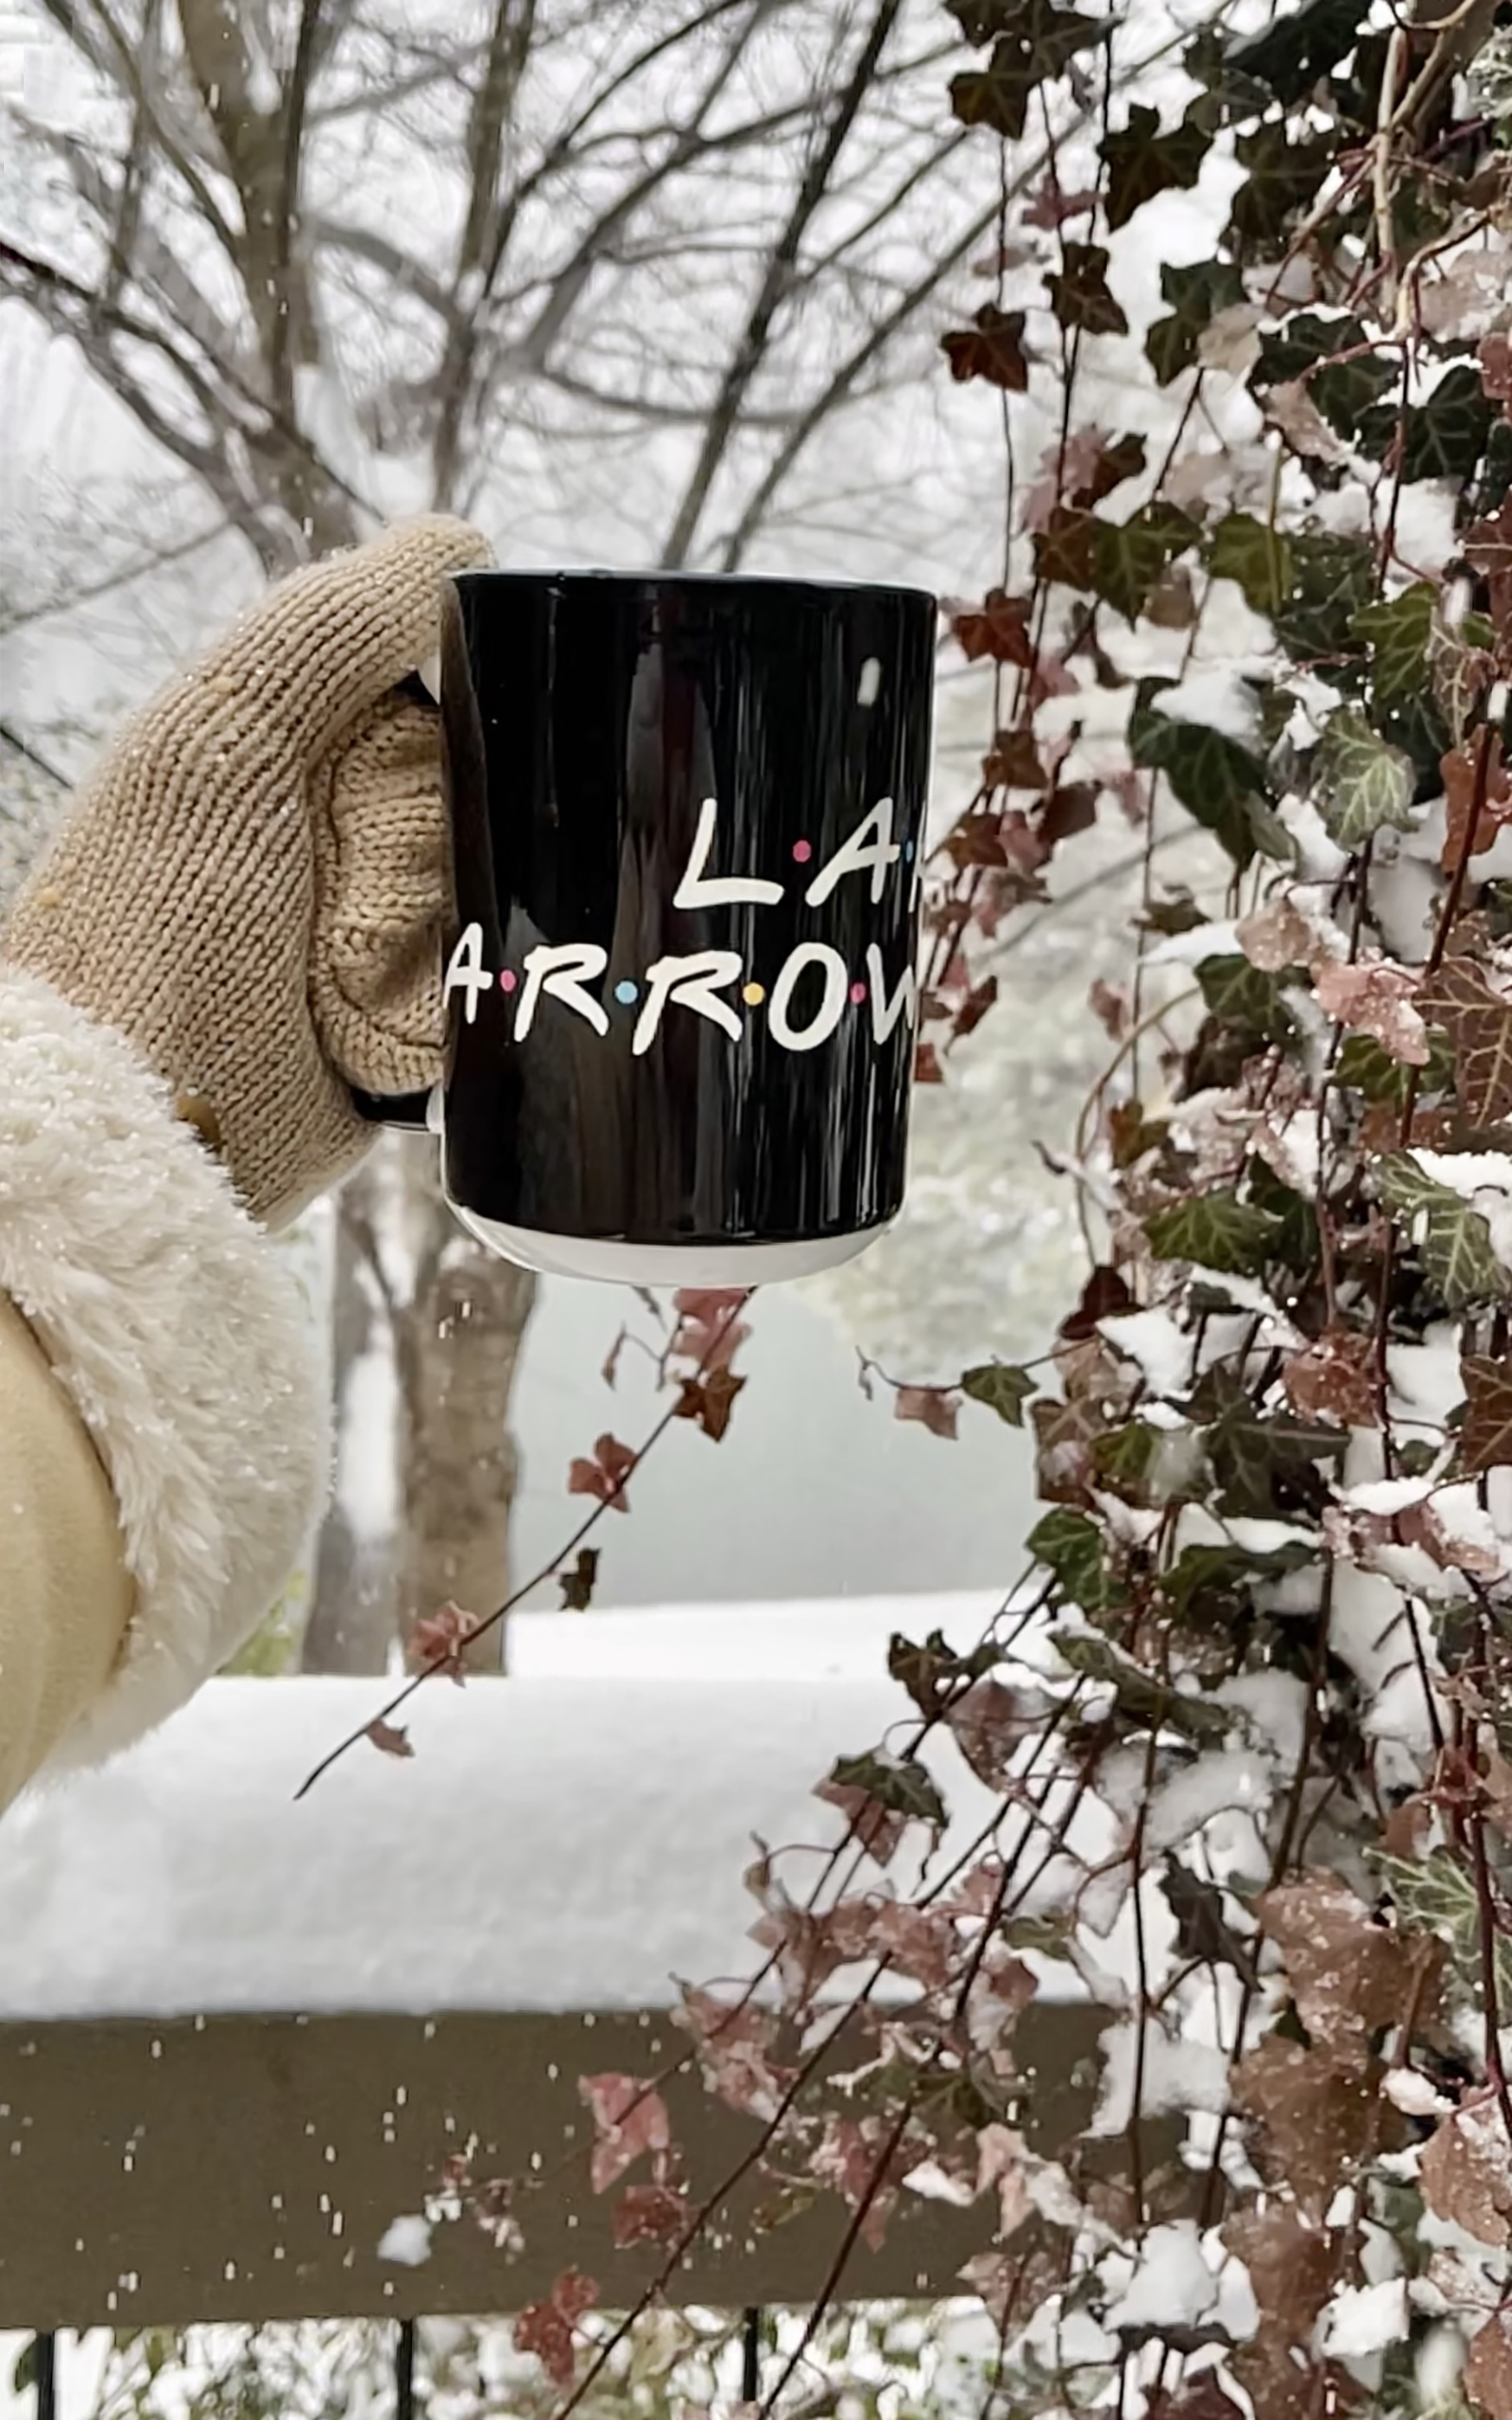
[
  {"x": 65, "y": 1593},
  {"x": 163, "y": 1415}
]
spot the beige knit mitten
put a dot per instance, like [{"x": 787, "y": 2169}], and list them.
[{"x": 252, "y": 888}]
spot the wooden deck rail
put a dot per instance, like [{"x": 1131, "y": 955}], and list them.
[{"x": 247, "y": 2167}]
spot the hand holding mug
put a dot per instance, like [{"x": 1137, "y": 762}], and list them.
[{"x": 254, "y": 885}]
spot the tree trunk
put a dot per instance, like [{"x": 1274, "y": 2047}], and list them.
[
  {"x": 353, "y": 1622},
  {"x": 457, "y": 1343}
]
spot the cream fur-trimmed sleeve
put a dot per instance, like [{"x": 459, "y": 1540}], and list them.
[{"x": 178, "y": 1339}]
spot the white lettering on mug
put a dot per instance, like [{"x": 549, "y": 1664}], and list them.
[
  {"x": 870, "y": 844},
  {"x": 698, "y": 890},
  {"x": 692, "y": 981},
  {"x": 466, "y": 972},
  {"x": 832, "y": 1005},
  {"x": 559, "y": 968},
  {"x": 885, "y": 1013}
]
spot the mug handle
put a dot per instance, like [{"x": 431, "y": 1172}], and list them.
[{"x": 409, "y": 1113}]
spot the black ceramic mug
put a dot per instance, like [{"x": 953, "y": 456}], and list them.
[{"x": 687, "y": 817}]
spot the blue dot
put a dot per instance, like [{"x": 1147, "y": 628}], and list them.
[
  {"x": 626, "y": 992},
  {"x": 908, "y": 852}
]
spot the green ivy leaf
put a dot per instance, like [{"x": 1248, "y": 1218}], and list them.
[
  {"x": 1126, "y": 1457},
  {"x": 1214, "y": 1231},
  {"x": 1208, "y": 1584},
  {"x": 932, "y": 1671},
  {"x": 1254, "y": 554},
  {"x": 1248, "y": 998},
  {"x": 1069, "y": 1545},
  {"x": 1203, "y": 1932},
  {"x": 1361, "y": 783},
  {"x": 1332, "y": 578},
  {"x": 1287, "y": 59},
  {"x": 1397, "y": 630},
  {"x": 1437, "y": 1895},
  {"x": 1296, "y": 1237},
  {"x": 1079, "y": 293},
  {"x": 1265, "y": 1462},
  {"x": 900, "y": 1784},
  {"x": 1221, "y": 785},
  {"x": 1143, "y": 1701},
  {"x": 1002, "y": 1387},
  {"x": 1283, "y": 177},
  {"x": 1452, "y": 1237},
  {"x": 1141, "y": 162},
  {"x": 1345, "y": 377},
  {"x": 1129, "y": 557},
  {"x": 1366, "y": 1069},
  {"x": 1197, "y": 294},
  {"x": 1446, "y": 435}
]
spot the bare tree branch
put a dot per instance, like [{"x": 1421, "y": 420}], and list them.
[
  {"x": 87, "y": 590},
  {"x": 24, "y": 749},
  {"x": 753, "y": 341},
  {"x": 493, "y": 104},
  {"x": 531, "y": 352},
  {"x": 74, "y": 310},
  {"x": 116, "y": 59},
  {"x": 133, "y": 168},
  {"x": 296, "y": 94},
  {"x": 365, "y": 243},
  {"x": 156, "y": 268}
]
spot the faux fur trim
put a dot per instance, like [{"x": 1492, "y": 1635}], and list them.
[{"x": 179, "y": 1335}]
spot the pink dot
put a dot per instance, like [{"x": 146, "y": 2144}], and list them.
[
  {"x": 858, "y": 992},
  {"x": 802, "y": 851},
  {"x": 509, "y": 980}
]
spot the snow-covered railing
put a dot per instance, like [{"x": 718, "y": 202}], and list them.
[{"x": 240, "y": 2032}]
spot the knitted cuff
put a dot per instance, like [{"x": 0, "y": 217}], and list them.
[{"x": 181, "y": 1338}]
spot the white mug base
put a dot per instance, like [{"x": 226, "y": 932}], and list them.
[{"x": 623, "y": 1264}]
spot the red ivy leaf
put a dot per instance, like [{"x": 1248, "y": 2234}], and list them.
[
  {"x": 629, "y": 2120},
  {"x": 437, "y": 1641},
  {"x": 1335, "y": 1378},
  {"x": 710, "y": 1401},
  {"x": 390, "y": 1737},
  {"x": 999, "y": 630},
  {"x": 651, "y": 2214},
  {"x": 546, "y": 2329},
  {"x": 927, "y": 1069},
  {"x": 938, "y": 1408},
  {"x": 1013, "y": 763},
  {"x": 1104, "y": 1293},
  {"x": 974, "y": 1007},
  {"x": 577, "y": 1584},
  {"x": 1486, "y": 1437},
  {"x": 1109, "y": 1006},
  {"x": 1478, "y": 1022},
  {"x": 875, "y": 1828},
  {"x": 1376, "y": 998},
  {"x": 605, "y": 1476},
  {"x": 735, "y": 2051},
  {"x": 990, "y": 348},
  {"x": 1051, "y": 205},
  {"x": 707, "y": 1331}
]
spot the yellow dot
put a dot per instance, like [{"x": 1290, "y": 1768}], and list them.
[{"x": 753, "y": 994}]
